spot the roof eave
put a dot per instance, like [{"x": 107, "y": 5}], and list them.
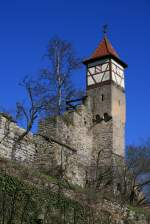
[{"x": 90, "y": 60}]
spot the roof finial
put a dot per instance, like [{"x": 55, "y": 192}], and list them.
[{"x": 105, "y": 29}]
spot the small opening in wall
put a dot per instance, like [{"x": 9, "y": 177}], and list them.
[
  {"x": 119, "y": 102},
  {"x": 102, "y": 97},
  {"x": 119, "y": 187},
  {"x": 85, "y": 121},
  {"x": 107, "y": 117},
  {"x": 98, "y": 118}
]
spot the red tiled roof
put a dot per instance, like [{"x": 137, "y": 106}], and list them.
[{"x": 105, "y": 48}]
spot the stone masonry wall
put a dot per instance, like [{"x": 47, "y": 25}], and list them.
[
  {"x": 33, "y": 149},
  {"x": 74, "y": 129},
  {"x": 50, "y": 155},
  {"x": 9, "y": 132}
]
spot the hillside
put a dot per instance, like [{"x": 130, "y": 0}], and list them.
[{"x": 29, "y": 196}]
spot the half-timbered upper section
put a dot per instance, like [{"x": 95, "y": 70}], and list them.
[{"x": 105, "y": 66}]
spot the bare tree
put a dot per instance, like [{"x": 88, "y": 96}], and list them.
[
  {"x": 28, "y": 111},
  {"x": 55, "y": 80},
  {"x": 138, "y": 163}
]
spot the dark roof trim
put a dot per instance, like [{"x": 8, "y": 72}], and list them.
[{"x": 86, "y": 62}]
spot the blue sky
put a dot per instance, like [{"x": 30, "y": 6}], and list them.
[{"x": 27, "y": 25}]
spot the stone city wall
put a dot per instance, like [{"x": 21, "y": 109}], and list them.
[
  {"x": 9, "y": 133},
  {"x": 50, "y": 151}
]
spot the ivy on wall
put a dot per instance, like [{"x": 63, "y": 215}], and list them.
[{"x": 22, "y": 203}]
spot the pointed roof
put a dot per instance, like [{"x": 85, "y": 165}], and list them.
[{"x": 104, "y": 50}]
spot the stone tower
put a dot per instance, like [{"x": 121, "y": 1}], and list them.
[{"x": 106, "y": 99}]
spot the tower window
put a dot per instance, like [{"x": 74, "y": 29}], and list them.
[
  {"x": 119, "y": 102},
  {"x": 102, "y": 97}
]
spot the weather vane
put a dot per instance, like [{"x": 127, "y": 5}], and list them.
[{"x": 105, "y": 29}]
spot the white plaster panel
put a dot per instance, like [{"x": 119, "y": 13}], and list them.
[
  {"x": 114, "y": 62},
  {"x": 98, "y": 77},
  {"x": 90, "y": 81},
  {"x": 92, "y": 70},
  {"x": 106, "y": 76}
]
